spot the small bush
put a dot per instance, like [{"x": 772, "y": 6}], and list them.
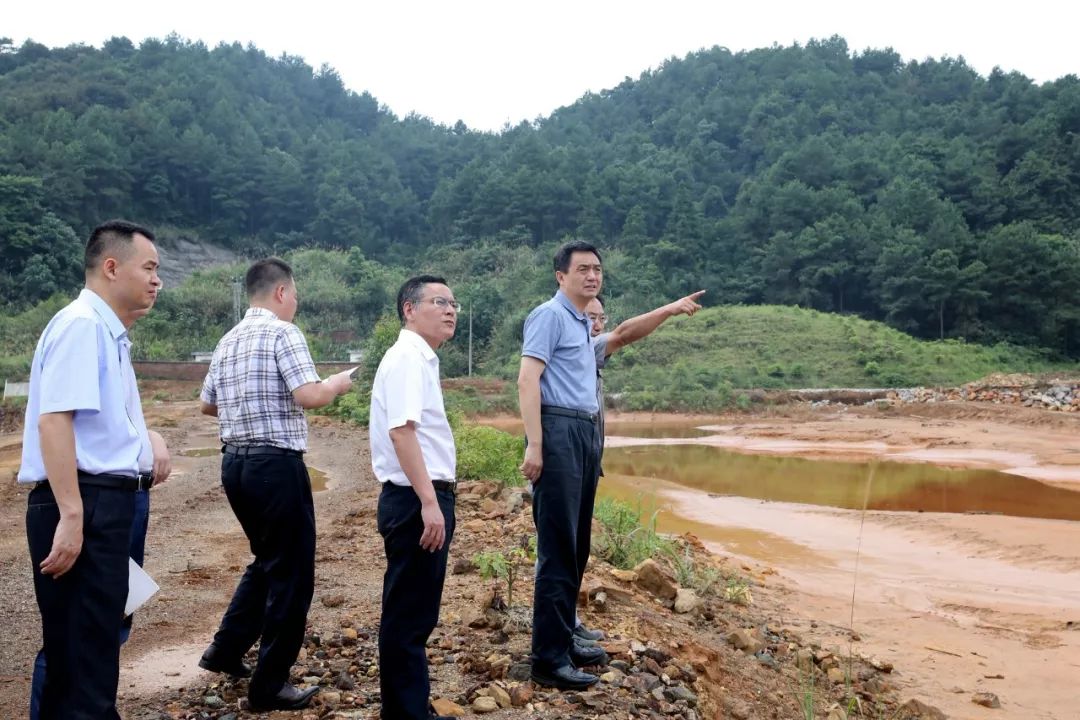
[
  {"x": 495, "y": 565},
  {"x": 690, "y": 575},
  {"x": 354, "y": 406},
  {"x": 623, "y": 540},
  {"x": 484, "y": 453}
]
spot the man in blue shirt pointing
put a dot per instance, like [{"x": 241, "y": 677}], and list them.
[{"x": 557, "y": 395}]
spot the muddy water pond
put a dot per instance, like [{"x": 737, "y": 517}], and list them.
[
  {"x": 900, "y": 486},
  {"x": 893, "y": 486}
]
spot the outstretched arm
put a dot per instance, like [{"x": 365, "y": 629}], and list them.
[{"x": 632, "y": 330}]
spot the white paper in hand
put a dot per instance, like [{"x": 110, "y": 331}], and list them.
[{"x": 141, "y": 587}]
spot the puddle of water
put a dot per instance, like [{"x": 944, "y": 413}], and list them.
[
  {"x": 318, "y": 479},
  {"x": 201, "y": 452},
  {"x": 896, "y": 486}
]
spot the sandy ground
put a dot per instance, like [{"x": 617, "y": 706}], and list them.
[{"x": 958, "y": 603}]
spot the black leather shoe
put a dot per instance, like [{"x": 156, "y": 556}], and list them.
[
  {"x": 213, "y": 661},
  {"x": 582, "y": 655},
  {"x": 583, "y": 633},
  {"x": 566, "y": 677},
  {"x": 287, "y": 698}
]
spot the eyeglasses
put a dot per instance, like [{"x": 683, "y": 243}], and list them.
[
  {"x": 442, "y": 303},
  {"x": 601, "y": 318}
]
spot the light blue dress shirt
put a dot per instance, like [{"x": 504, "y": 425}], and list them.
[
  {"x": 82, "y": 364},
  {"x": 558, "y": 334}
]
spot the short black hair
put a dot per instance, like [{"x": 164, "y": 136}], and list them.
[
  {"x": 265, "y": 275},
  {"x": 112, "y": 237},
  {"x": 562, "y": 257},
  {"x": 410, "y": 291},
  {"x": 600, "y": 300}
]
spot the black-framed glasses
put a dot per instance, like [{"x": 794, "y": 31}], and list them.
[{"x": 442, "y": 303}]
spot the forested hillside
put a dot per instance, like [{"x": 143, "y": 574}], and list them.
[{"x": 921, "y": 194}]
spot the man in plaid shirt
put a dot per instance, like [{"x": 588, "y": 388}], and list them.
[{"x": 260, "y": 380}]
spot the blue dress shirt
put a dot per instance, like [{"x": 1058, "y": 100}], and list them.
[
  {"x": 82, "y": 365},
  {"x": 558, "y": 334}
]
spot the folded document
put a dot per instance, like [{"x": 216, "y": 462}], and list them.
[{"x": 141, "y": 587}]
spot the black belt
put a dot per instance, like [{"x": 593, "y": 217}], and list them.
[
  {"x": 260, "y": 450},
  {"x": 568, "y": 412},
  {"x": 142, "y": 481},
  {"x": 445, "y": 485}
]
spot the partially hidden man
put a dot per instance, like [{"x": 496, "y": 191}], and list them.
[
  {"x": 413, "y": 456},
  {"x": 261, "y": 378},
  {"x": 87, "y": 451}
]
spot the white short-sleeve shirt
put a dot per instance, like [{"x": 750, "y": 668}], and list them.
[{"x": 407, "y": 389}]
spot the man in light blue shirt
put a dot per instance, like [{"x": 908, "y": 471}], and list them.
[
  {"x": 85, "y": 447},
  {"x": 557, "y": 395}
]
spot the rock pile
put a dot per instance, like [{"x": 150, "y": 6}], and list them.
[{"x": 1060, "y": 397}]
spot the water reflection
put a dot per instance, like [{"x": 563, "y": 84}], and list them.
[{"x": 896, "y": 486}]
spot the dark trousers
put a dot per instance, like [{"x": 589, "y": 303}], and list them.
[
  {"x": 82, "y": 611},
  {"x": 563, "y": 500},
  {"x": 137, "y": 546},
  {"x": 271, "y": 497},
  {"x": 412, "y": 593}
]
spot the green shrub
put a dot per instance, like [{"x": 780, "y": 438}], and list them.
[
  {"x": 689, "y": 574},
  {"x": 623, "y": 540},
  {"x": 484, "y": 453},
  {"x": 495, "y": 565}
]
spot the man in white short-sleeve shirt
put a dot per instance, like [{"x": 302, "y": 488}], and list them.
[{"x": 413, "y": 456}]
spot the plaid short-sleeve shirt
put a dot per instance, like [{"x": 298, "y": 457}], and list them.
[{"x": 252, "y": 375}]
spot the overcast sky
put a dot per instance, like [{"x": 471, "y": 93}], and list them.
[{"x": 491, "y": 62}]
